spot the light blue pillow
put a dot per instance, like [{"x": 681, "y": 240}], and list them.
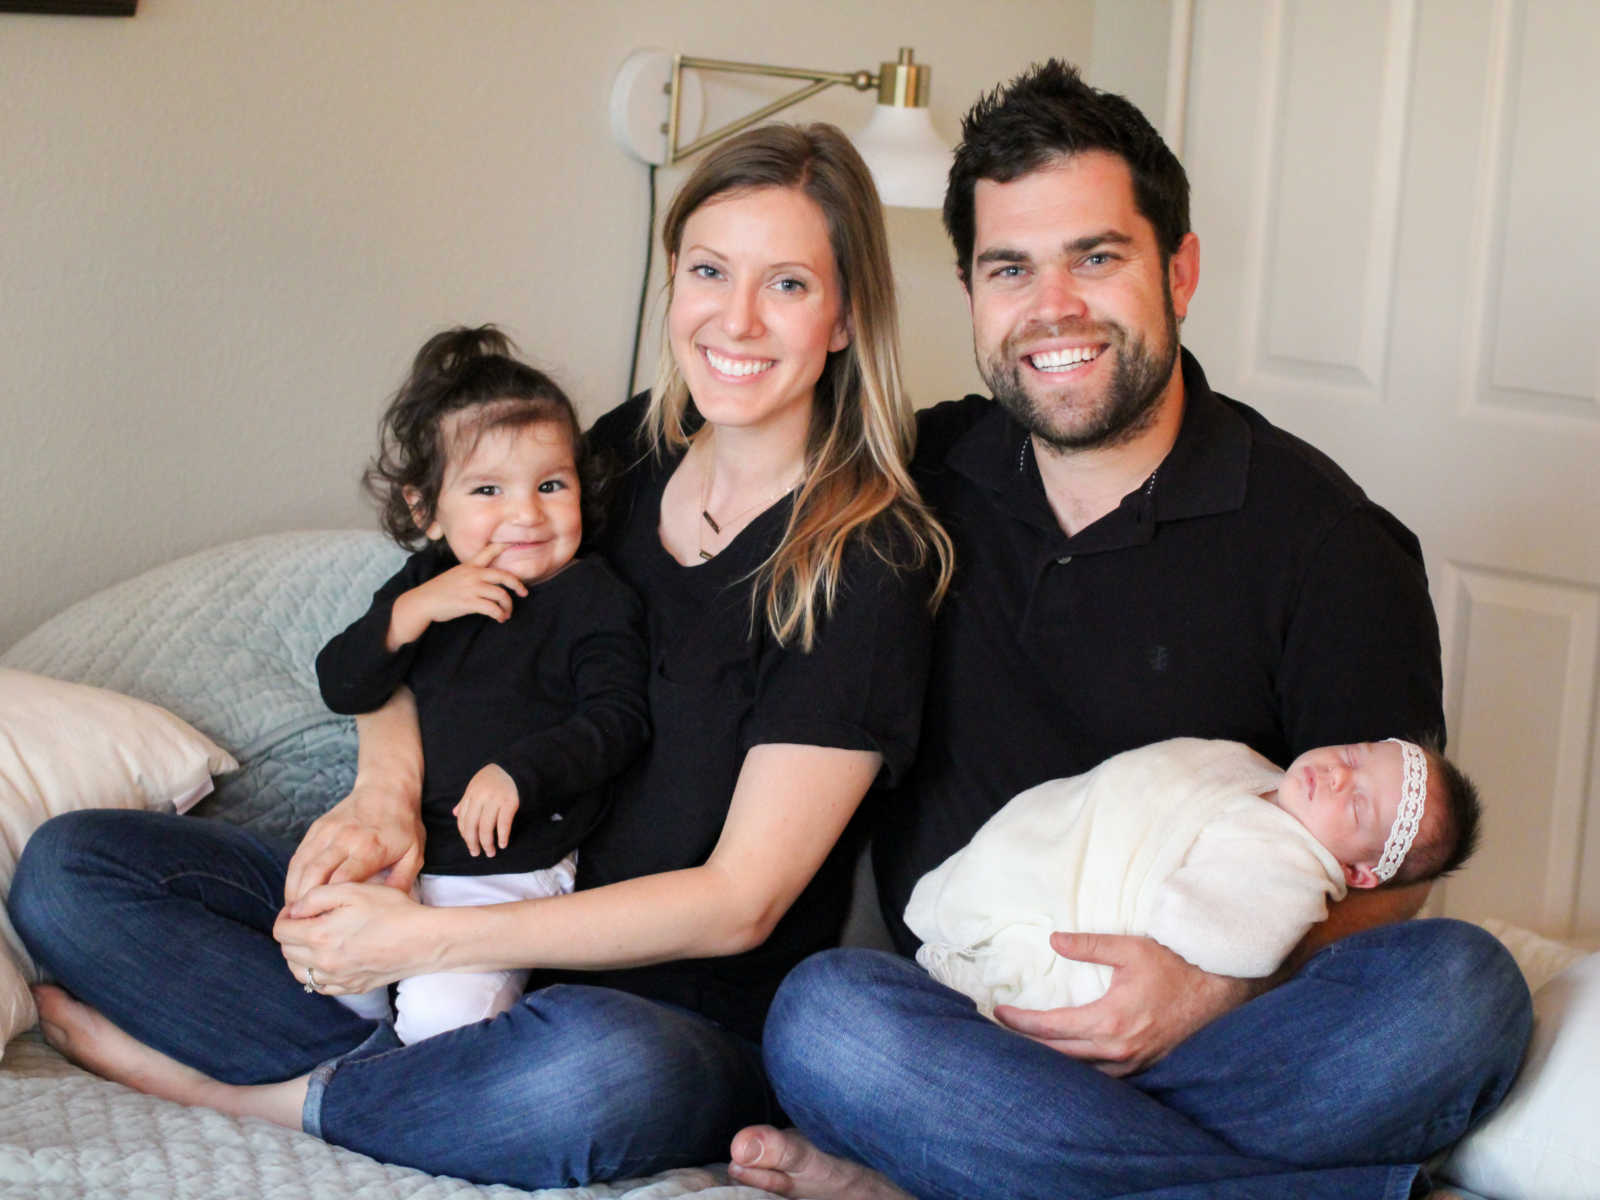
[{"x": 227, "y": 639}]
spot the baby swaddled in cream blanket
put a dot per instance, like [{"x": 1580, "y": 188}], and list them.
[{"x": 1172, "y": 840}]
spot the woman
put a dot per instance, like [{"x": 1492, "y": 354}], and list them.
[{"x": 788, "y": 572}]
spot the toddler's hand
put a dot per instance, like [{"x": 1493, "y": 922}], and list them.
[
  {"x": 470, "y": 587},
  {"x": 484, "y": 813}
]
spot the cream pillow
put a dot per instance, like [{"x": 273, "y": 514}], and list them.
[
  {"x": 1541, "y": 1144},
  {"x": 65, "y": 746}
]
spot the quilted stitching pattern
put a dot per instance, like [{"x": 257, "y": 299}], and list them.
[
  {"x": 67, "y": 1134},
  {"x": 227, "y": 639}
]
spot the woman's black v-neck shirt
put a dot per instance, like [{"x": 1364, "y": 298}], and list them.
[{"x": 718, "y": 685}]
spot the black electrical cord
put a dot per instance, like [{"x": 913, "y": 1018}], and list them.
[{"x": 644, "y": 283}]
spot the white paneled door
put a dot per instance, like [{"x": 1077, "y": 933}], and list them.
[{"x": 1398, "y": 204}]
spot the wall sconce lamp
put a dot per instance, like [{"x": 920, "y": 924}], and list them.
[{"x": 655, "y": 104}]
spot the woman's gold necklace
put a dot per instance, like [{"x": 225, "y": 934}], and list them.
[{"x": 727, "y": 521}]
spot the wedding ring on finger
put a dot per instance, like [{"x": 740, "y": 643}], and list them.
[{"x": 311, "y": 981}]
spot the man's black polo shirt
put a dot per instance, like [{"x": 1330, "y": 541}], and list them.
[{"x": 1249, "y": 591}]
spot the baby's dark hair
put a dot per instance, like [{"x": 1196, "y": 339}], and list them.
[
  {"x": 470, "y": 371},
  {"x": 1451, "y": 821}
]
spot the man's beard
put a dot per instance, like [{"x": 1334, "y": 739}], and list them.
[{"x": 1131, "y": 399}]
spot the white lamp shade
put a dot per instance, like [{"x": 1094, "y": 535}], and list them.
[{"x": 909, "y": 161}]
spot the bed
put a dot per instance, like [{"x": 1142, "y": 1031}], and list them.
[{"x": 224, "y": 640}]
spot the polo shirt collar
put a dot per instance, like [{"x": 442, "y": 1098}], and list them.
[{"x": 1203, "y": 474}]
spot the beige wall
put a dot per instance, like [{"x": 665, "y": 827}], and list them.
[
  {"x": 1131, "y": 45},
  {"x": 225, "y": 225}
]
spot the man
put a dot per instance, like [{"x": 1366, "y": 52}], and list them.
[{"x": 1137, "y": 558}]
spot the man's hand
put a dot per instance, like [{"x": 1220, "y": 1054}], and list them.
[
  {"x": 1156, "y": 1000},
  {"x": 485, "y": 810},
  {"x": 369, "y": 835},
  {"x": 470, "y": 587}
]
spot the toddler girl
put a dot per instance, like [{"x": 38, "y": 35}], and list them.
[
  {"x": 528, "y": 663},
  {"x": 1202, "y": 845}
]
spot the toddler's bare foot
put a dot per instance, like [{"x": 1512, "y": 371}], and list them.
[
  {"x": 783, "y": 1161},
  {"x": 94, "y": 1043}
]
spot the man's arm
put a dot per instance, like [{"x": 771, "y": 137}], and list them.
[
  {"x": 1157, "y": 998},
  {"x": 1359, "y": 910}
]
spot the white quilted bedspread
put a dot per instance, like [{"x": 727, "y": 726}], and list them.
[{"x": 65, "y": 1134}]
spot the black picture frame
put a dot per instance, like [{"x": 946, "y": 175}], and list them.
[{"x": 72, "y": 8}]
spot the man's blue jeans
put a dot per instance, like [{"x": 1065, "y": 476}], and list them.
[
  {"x": 164, "y": 924},
  {"x": 1384, "y": 1048}
]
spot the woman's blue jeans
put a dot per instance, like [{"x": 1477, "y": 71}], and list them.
[
  {"x": 1383, "y": 1049},
  {"x": 164, "y": 925}
]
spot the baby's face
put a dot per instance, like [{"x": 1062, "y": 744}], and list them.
[
  {"x": 1347, "y": 796},
  {"x": 517, "y": 487}
]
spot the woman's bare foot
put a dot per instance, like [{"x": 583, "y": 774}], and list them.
[
  {"x": 783, "y": 1161},
  {"x": 94, "y": 1043}
]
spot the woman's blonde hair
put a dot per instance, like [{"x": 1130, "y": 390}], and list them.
[{"x": 862, "y": 427}]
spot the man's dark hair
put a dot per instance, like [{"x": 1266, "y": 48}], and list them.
[
  {"x": 1049, "y": 112},
  {"x": 1453, "y": 836}
]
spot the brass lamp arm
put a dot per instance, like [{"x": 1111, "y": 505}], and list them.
[{"x": 820, "y": 80}]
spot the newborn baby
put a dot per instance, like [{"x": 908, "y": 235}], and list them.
[{"x": 1203, "y": 845}]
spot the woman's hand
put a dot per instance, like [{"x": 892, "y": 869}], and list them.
[
  {"x": 354, "y": 936},
  {"x": 374, "y": 833},
  {"x": 369, "y": 835}
]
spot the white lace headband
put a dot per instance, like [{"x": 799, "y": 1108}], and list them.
[{"x": 1408, "y": 817}]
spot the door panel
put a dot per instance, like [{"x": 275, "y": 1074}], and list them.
[{"x": 1400, "y": 261}]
